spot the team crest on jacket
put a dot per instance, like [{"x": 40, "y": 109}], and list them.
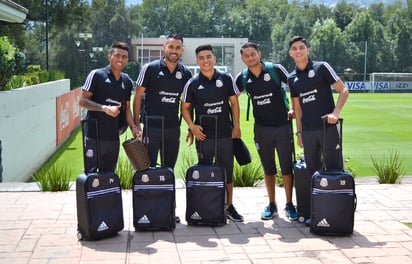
[
  {"x": 311, "y": 74},
  {"x": 178, "y": 75},
  {"x": 95, "y": 183},
  {"x": 266, "y": 77},
  {"x": 195, "y": 175},
  {"x": 145, "y": 178},
  {"x": 324, "y": 182},
  {"x": 219, "y": 83}
]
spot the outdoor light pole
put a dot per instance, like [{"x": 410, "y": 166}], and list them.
[
  {"x": 94, "y": 51},
  {"x": 47, "y": 34},
  {"x": 141, "y": 52},
  {"x": 85, "y": 37}
]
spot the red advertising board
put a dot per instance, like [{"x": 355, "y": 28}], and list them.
[{"x": 67, "y": 114}]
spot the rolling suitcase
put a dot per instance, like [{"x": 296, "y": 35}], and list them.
[
  {"x": 333, "y": 198},
  {"x": 302, "y": 189},
  {"x": 206, "y": 191},
  {"x": 98, "y": 197},
  {"x": 154, "y": 198},
  {"x": 302, "y": 184}
]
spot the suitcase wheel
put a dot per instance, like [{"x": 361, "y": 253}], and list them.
[
  {"x": 301, "y": 219},
  {"x": 79, "y": 235}
]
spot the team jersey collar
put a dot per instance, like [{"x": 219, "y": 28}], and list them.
[
  {"x": 108, "y": 70},
  {"x": 163, "y": 65},
  {"x": 263, "y": 66},
  {"x": 308, "y": 67},
  {"x": 215, "y": 76},
  {"x": 110, "y": 74}
]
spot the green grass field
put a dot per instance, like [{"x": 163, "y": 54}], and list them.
[{"x": 374, "y": 124}]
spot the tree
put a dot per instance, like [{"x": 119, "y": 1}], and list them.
[
  {"x": 7, "y": 61},
  {"x": 403, "y": 49},
  {"x": 155, "y": 15},
  {"x": 343, "y": 13},
  {"x": 295, "y": 23},
  {"x": 362, "y": 32},
  {"x": 328, "y": 43}
]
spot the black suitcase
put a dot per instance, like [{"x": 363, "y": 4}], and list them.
[
  {"x": 302, "y": 184},
  {"x": 154, "y": 197},
  {"x": 302, "y": 189},
  {"x": 206, "y": 192},
  {"x": 98, "y": 199},
  {"x": 333, "y": 199}
]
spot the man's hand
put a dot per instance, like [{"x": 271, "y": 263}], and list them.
[
  {"x": 137, "y": 131},
  {"x": 291, "y": 114},
  {"x": 189, "y": 138},
  {"x": 111, "y": 110},
  {"x": 331, "y": 118},
  {"x": 236, "y": 132},
  {"x": 197, "y": 131}
]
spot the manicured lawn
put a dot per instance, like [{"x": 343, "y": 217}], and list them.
[{"x": 374, "y": 124}]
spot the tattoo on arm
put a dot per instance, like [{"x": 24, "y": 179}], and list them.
[{"x": 93, "y": 106}]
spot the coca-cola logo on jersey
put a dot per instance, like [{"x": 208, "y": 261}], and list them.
[{"x": 214, "y": 110}]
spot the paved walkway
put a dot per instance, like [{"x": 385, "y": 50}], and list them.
[{"x": 41, "y": 227}]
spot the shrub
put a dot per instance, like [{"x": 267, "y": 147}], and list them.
[
  {"x": 33, "y": 68},
  {"x": 189, "y": 157},
  {"x": 125, "y": 171},
  {"x": 55, "y": 75},
  {"x": 16, "y": 81},
  {"x": 390, "y": 168},
  {"x": 279, "y": 178},
  {"x": 7, "y": 61},
  {"x": 31, "y": 80},
  {"x": 43, "y": 76},
  {"x": 249, "y": 175},
  {"x": 54, "y": 179}
]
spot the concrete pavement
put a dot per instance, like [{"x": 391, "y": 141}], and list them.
[{"x": 41, "y": 227}]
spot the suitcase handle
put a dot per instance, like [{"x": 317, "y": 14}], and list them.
[
  {"x": 201, "y": 117},
  {"x": 339, "y": 124},
  {"x": 96, "y": 129},
  {"x": 146, "y": 140},
  {"x": 292, "y": 142}
]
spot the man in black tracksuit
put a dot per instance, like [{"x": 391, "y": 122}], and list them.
[
  {"x": 161, "y": 82},
  {"x": 312, "y": 99}
]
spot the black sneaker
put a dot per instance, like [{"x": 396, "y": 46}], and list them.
[{"x": 233, "y": 214}]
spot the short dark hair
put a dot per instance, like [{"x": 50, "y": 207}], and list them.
[
  {"x": 119, "y": 45},
  {"x": 296, "y": 39},
  {"x": 249, "y": 45},
  {"x": 204, "y": 47},
  {"x": 175, "y": 36}
]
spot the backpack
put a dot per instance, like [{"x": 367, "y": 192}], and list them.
[{"x": 271, "y": 70}]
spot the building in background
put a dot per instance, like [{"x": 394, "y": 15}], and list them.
[
  {"x": 227, "y": 51},
  {"x": 12, "y": 12}
]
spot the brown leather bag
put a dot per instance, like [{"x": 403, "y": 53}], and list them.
[{"x": 137, "y": 154}]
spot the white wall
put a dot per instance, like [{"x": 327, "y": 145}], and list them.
[
  {"x": 28, "y": 128},
  {"x": 233, "y": 61}
]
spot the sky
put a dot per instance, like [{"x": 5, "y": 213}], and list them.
[{"x": 133, "y": 2}]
